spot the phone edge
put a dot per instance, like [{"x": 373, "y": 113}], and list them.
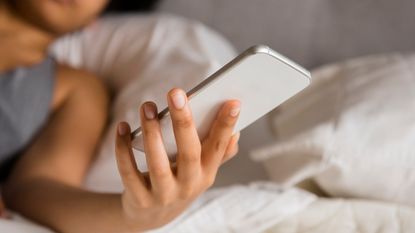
[{"x": 210, "y": 80}]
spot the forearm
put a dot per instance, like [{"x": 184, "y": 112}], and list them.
[
  {"x": 45, "y": 183},
  {"x": 68, "y": 209}
]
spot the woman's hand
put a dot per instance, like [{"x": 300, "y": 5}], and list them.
[
  {"x": 21, "y": 45},
  {"x": 167, "y": 192}
]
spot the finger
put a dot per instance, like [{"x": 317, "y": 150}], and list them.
[
  {"x": 187, "y": 139},
  {"x": 232, "y": 148},
  {"x": 214, "y": 146},
  {"x": 161, "y": 176},
  {"x": 127, "y": 167}
]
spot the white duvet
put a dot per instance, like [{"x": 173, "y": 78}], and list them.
[
  {"x": 349, "y": 216},
  {"x": 255, "y": 209},
  {"x": 144, "y": 56}
]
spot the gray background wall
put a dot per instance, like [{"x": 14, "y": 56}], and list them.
[{"x": 312, "y": 32}]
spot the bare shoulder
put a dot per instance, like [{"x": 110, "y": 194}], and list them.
[{"x": 70, "y": 81}]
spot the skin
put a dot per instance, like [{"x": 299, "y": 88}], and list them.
[{"x": 46, "y": 183}]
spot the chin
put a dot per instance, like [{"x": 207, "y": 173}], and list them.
[{"x": 59, "y": 16}]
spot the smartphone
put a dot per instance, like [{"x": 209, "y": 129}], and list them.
[{"x": 260, "y": 78}]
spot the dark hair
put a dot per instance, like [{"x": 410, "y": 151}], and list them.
[{"x": 119, "y": 6}]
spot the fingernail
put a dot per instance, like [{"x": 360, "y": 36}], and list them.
[
  {"x": 235, "y": 111},
  {"x": 149, "y": 111},
  {"x": 178, "y": 99},
  {"x": 122, "y": 129}
]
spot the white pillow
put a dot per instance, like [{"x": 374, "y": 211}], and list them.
[{"x": 353, "y": 131}]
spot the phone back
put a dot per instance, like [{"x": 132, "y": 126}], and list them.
[{"x": 260, "y": 78}]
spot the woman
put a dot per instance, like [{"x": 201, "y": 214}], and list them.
[{"x": 51, "y": 119}]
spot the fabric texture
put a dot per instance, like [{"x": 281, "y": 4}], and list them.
[
  {"x": 348, "y": 216},
  {"x": 240, "y": 208},
  {"x": 25, "y": 100},
  {"x": 352, "y": 131}
]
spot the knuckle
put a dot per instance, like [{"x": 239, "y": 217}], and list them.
[
  {"x": 160, "y": 173},
  {"x": 186, "y": 193},
  {"x": 137, "y": 200},
  {"x": 165, "y": 200},
  {"x": 227, "y": 122},
  {"x": 229, "y": 156},
  {"x": 149, "y": 131},
  {"x": 234, "y": 150},
  {"x": 233, "y": 153},
  {"x": 144, "y": 203},
  {"x": 221, "y": 144},
  {"x": 119, "y": 149},
  {"x": 184, "y": 121},
  {"x": 190, "y": 157},
  {"x": 210, "y": 180},
  {"x": 127, "y": 174}
]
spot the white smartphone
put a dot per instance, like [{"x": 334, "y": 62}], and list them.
[{"x": 260, "y": 78}]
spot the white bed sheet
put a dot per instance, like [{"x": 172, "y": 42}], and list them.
[{"x": 349, "y": 216}]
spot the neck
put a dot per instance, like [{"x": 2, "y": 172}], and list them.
[{"x": 11, "y": 21}]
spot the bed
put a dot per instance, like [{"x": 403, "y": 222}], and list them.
[{"x": 275, "y": 204}]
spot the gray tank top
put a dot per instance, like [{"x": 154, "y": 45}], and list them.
[{"x": 25, "y": 100}]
